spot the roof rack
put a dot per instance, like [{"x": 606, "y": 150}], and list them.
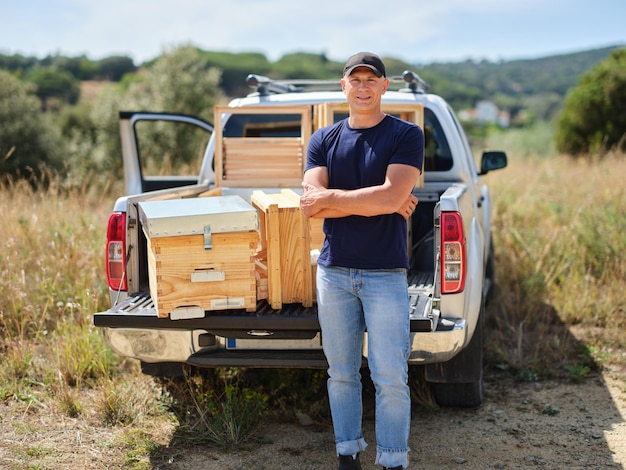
[
  {"x": 265, "y": 86},
  {"x": 414, "y": 83}
]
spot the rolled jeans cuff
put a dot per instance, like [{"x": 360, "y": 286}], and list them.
[
  {"x": 351, "y": 447},
  {"x": 392, "y": 457}
]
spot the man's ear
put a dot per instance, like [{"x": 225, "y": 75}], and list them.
[{"x": 386, "y": 85}]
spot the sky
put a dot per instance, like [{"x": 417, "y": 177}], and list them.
[{"x": 415, "y": 31}]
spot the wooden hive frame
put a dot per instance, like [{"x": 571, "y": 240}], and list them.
[{"x": 261, "y": 161}]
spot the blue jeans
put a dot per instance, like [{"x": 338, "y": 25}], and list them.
[{"x": 350, "y": 301}]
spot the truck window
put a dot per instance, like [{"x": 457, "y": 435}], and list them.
[
  {"x": 437, "y": 155},
  {"x": 461, "y": 132},
  {"x": 170, "y": 148}
]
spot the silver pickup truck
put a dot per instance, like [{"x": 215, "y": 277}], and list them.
[{"x": 450, "y": 243}]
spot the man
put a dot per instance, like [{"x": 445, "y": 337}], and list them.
[{"x": 359, "y": 176}]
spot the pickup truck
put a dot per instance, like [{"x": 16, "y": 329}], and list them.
[{"x": 450, "y": 243}]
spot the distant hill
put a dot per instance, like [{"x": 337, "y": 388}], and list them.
[
  {"x": 531, "y": 87},
  {"x": 543, "y": 75},
  {"x": 512, "y": 84}
]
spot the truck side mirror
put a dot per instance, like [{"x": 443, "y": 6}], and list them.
[{"x": 492, "y": 160}]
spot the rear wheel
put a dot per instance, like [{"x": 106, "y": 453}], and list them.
[{"x": 462, "y": 395}]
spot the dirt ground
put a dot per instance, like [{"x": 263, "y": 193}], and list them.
[{"x": 556, "y": 425}]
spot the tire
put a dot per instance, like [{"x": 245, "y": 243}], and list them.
[
  {"x": 469, "y": 395},
  {"x": 459, "y": 382}
]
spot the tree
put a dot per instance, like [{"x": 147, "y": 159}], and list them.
[
  {"x": 53, "y": 82},
  {"x": 115, "y": 67},
  {"x": 92, "y": 136},
  {"x": 235, "y": 68},
  {"x": 179, "y": 81},
  {"x": 27, "y": 141},
  {"x": 593, "y": 118}
]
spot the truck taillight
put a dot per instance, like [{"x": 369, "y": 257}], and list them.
[
  {"x": 116, "y": 251},
  {"x": 453, "y": 266}
]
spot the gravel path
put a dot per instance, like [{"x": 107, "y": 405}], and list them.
[
  {"x": 549, "y": 424},
  {"x": 555, "y": 425}
]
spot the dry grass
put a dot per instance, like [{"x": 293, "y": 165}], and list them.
[
  {"x": 560, "y": 236},
  {"x": 51, "y": 283},
  {"x": 54, "y": 364},
  {"x": 52, "y": 260}
]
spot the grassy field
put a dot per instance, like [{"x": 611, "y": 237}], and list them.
[
  {"x": 560, "y": 235},
  {"x": 559, "y": 308},
  {"x": 51, "y": 281}
]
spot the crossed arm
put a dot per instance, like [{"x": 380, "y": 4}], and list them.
[{"x": 394, "y": 195}]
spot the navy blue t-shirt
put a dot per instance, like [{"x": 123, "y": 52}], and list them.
[{"x": 357, "y": 158}]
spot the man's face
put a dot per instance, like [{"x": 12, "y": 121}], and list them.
[{"x": 363, "y": 88}]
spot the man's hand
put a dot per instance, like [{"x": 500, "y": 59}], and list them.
[
  {"x": 308, "y": 200},
  {"x": 315, "y": 203},
  {"x": 408, "y": 207}
]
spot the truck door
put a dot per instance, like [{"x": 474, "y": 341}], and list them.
[{"x": 162, "y": 150}]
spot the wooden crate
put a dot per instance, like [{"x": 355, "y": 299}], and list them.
[
  {"x": 316, "y": 233},
  {"x": 285, "y": 256},
  {"x": 200, "y": 254}
]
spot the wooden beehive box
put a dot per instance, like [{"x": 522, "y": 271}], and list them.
[
  {"x": 200, "y": 254},
  {"x": 287, "y": 238}
]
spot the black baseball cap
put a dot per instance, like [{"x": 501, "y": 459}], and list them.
[{"x": 365, "y": 59}]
